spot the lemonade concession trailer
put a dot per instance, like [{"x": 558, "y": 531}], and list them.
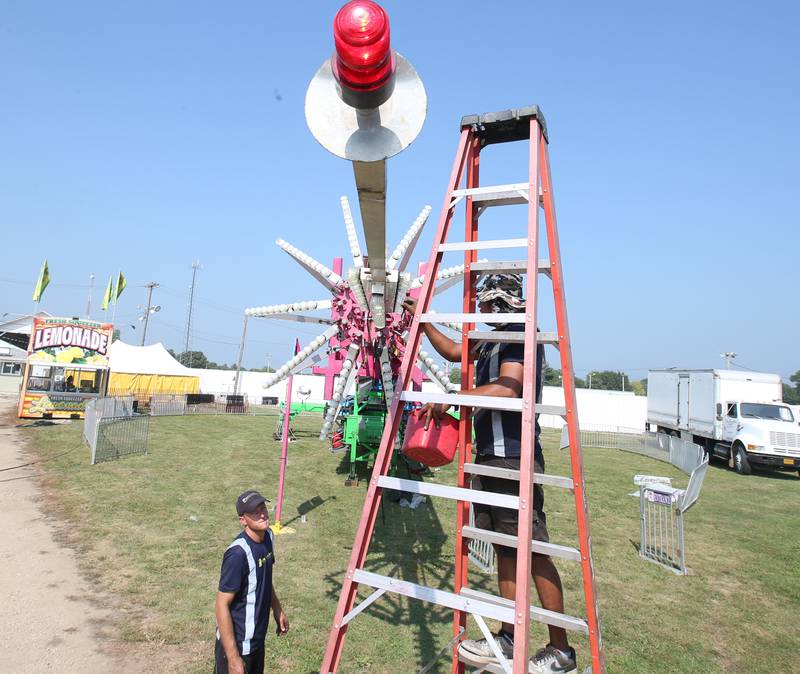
[{"x": 67, "y": 365}]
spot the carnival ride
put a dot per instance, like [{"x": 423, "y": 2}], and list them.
[{"x": 360, "y": 348}]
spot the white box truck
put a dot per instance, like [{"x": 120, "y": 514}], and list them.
[{"x": 738, "y": 416}]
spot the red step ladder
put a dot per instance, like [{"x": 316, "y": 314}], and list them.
[{"x": 477, "y": 132}]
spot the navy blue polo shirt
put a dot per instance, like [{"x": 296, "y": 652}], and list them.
[
  {"x": 247, "y": 571},
  {"x": 499, "y": 433}
]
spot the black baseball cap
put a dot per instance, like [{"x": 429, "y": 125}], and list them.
[{"x": 249, "y": 501}]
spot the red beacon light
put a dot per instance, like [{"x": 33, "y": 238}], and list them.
[
  {"x": 364, "y": 64},
  {"x": 366, "y": 102}
]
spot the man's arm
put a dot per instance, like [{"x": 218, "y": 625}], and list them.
[
  {"x": 281, "y": 621},
  {"x": 507, "y": 385},
  {"x": 445, "y": 347},
  {"x": 222, "y": 611}
]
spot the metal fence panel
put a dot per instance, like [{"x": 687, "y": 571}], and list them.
[
  {"x": 481, "y": 553},
  {"x": 105, "y": 432},
  {"x": 90, "y": 424},
  {"x": 118, "y": 406},
  {"x": 167, "y": 404},
  {"x": 685, "y": 455},
  {"x": 121, "y": 436},
  {"x": 662, "y": 539},
  {"x": 693, "y": 488}
]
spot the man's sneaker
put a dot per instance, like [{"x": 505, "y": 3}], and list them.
[
  {"x": 550, "y": 659},
  {"x": 480, "y": 653}
]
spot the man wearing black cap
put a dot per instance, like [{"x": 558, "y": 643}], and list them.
[{"x": 246, "y": 593}]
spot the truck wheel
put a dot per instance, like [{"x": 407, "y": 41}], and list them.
[{"x": 740, "y": 462}]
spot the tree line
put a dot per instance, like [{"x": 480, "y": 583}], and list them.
[
  {"x": 606, "y": 380},
  {"x": 199, "y": 360}
]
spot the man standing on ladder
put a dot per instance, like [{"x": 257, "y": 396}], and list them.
[{"x": 499, "y": 372}]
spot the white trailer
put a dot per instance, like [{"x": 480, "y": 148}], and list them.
[{"x": 738, "y": 416}]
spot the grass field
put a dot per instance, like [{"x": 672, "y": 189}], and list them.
[{"x": 153, "y": 528}]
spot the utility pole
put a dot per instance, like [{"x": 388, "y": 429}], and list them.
[
  {"x": 590, "y": 379},
  {"x": 269, "y": 361},
  {"x": 728, "y": 356},
  {"x": 150, "y": 308},
  {"x": 89, "y": 299},
  {"x": 622, "y": 375},
  {"x": 195, "y": 267},
  {"x": 241, "y": 355}
]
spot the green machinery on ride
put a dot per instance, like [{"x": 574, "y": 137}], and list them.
[
  {"x": 363, "y": 428},
  {"x": 359, "y": 429}
]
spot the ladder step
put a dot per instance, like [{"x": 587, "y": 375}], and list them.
[
  {"x": 496, "y": 538},
  {"x": 487, "y": 319},
  {"x": 495, "y": 195},
  {"x": 479, "y": 606},
  {"x": 518, "y": 266},
  {"x": 479, "y": 193},
  {"x": 483, "y": 245},
  {"x": 483, "y": 402},
  {"x": 510, "y": 474},
  {"x": 511, "y": 337},
  {"x": 446, "y": 491},
  {"x": 537, "y": 613}
]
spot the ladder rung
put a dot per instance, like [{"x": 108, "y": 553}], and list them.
[
  {"x": 483, "y": 245},
  {"x": 515, "y": 337},
  {"x": 490, "y": 191},
  {"x": 497, "y": 538},
  {"x": 519, "y": 266},
  {"x": 483, "y": 402},
  {"x": 477, "y": 605},
  {"x": 488, "y": 319},
  {"x": 446, "y": 491},
  {"x": 510, "y": 474},
  {"x": 539, "y": 614},
  {"x": 495, "y": 195}
]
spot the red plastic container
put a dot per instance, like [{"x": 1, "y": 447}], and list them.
[{"x": 434, "y": 447}]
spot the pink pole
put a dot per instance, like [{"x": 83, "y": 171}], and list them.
[{"x": 287, "y": 412}]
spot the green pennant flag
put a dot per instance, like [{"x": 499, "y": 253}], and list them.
[
  {"x": 108, "y": 294},
  {"x": 42, "y": 283},
  {"x": 121, "y": 283}
]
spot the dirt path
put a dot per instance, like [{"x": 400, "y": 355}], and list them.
[{"x": 50, "y": 618}]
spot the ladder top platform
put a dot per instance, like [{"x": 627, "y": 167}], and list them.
[{"x": 506, "y": 125}]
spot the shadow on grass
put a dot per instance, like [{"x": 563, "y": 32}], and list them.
[
  {"x": 310, "y": 504},
  {"x": 759, "y": 472},
  {"x": 408, "y": 545}
]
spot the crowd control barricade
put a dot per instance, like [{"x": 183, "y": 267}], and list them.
[
  {"x": 662, "y": 507},
  {"x": 113, "y": 429},
  {"x": 481, "y": 553},
  {"x": 167, "y": 404},
  {"x": 121, "y": 436}
]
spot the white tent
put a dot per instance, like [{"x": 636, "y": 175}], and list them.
[{"x": 148, "y": 369}]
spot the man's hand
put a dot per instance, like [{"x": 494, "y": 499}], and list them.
[
  {"x": 236, "y": 665},
  {"x": 282, "y": 622},
  {"x": 433, "y": 411},
  {"x": 410, "y": 305}
]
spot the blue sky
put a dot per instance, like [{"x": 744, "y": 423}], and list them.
[{"x": 143, "y": 136}]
